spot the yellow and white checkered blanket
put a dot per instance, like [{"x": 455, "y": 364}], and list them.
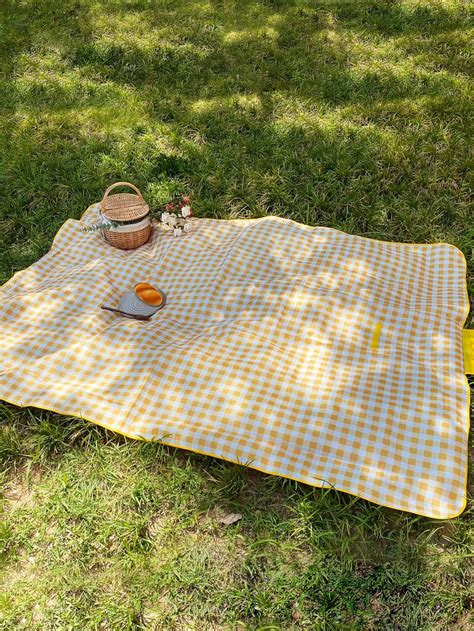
[{"x": 304, "y": 352}]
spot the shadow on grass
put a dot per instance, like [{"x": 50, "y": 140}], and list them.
[{"x": 257, "y": 108}]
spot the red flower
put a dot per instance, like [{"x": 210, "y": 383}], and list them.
[
  {"x": 170, "y": 206},
  {"x": 186, "y": 200}
]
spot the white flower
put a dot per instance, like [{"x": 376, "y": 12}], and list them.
[
  {"x": 187, "y": 227},
  {"x": 173, "y": 220},
  {"x": 177, "y": 232},
  {"x": 165, "y": 217},
  {"x": 186, "y": 211}
]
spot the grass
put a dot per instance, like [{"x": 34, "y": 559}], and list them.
[{"x": 351, "y": 114}]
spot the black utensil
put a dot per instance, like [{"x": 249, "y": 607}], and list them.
[{"x": 124, "y": 313}]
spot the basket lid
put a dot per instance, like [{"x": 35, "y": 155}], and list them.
[{"x": 124, "y": 206}]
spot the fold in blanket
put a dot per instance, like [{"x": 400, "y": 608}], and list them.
[{"x": 304, "y": 352}]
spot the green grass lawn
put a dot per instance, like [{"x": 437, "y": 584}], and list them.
[{"x": 352, "y": 114}]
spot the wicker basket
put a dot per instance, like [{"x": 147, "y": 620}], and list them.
[{"x": 132, "y": 212}]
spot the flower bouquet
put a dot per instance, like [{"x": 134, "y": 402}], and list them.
[{"x": 177, "y": 215}]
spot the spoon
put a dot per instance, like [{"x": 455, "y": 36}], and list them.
[{"x": 124, "y": 313}]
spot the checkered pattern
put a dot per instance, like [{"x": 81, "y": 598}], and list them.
[{"x": 303, "y": 352}]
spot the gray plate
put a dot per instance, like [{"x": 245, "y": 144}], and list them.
[{"x": 130, "y": 303}]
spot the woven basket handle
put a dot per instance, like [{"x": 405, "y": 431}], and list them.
[{"x": 122, "y": 184}]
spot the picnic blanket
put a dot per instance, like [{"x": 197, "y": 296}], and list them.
[{"x": 304, "y": 352}]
